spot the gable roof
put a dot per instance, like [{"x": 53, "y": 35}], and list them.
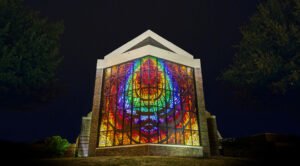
[
  {"x": 149, "y": 41},
  {"x": 149, "y": 38}
]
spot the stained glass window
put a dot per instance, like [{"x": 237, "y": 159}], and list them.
[{"x": 148, "y": 100}]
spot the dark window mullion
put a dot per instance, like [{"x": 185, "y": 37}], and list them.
[
  {"x": 182, "y": 113},
  {"x": 166, "y": 112},
  {"x": 148, "y": 86},
  {"x": 131, "y": 104},
  {"x": 196, "y": 105},
  {"x": 107, "y": 113},
  {"x": 123, "y": 108},
  {"x": 156, "y": 104},
  {"x": 174, "y": 117},
  {"x": 140, "y": 104},
  {"x": 102, "y": 99},
  {"x": 116, "y": 105}
]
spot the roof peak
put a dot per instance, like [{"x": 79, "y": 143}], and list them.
[{"x": 149, "y": 38}]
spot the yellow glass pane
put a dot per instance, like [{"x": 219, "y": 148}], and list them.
[
  {"x": 107, "y": 73},
  {"x": 186, "y": 119},
  {"x": 110, "y": 138},
  {"x": 126, "y": 140},
  {"x": 195, "y": 135},
  {"x": 189, "y": 72},
  {"x": 188, "y": 138},
  {"x": 194, "y": 122},
  {"x": 102, "y": 140},
  {"x": 103, "y": 126},
  {"x": 118, "y": 138},
  {"x": 114, "y": 70},
  {"x": 179, "y": 137}
]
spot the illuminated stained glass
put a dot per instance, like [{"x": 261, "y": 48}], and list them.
[{"x": 148, "y": 100}]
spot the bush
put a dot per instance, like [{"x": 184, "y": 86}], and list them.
[{"x": 56, "y": 146}]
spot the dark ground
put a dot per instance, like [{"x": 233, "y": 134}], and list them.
[
  {"x": 147, "y": 160},
  {"x": 262, "y": 149}
]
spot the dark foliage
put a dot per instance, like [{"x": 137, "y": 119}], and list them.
[
  {"x": 29, "y": 53},
  {"x": 56, "y": 146},
  {"x": 268, "y": 148},
  {"x": 268, "y": 56}
]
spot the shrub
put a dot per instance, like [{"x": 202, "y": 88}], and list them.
[{"x": 56, "y": 145}]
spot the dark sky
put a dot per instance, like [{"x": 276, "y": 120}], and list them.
[{"x": 206, "y": 28}]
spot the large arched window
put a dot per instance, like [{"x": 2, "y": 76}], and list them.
[{"x": 148, "y": 100}]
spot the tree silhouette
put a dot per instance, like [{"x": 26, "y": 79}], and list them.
[
  {"x": 268, "y": 56},
  {"x": 29, "y": 53}
]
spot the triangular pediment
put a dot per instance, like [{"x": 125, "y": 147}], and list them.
[
  {"x": 149, "y": 38},
  {"x": 149, "y": 41}
]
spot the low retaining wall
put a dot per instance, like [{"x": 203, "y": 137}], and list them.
[{"x": 151, "y": 150}]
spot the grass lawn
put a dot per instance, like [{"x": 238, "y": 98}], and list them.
[{"x": 146, "y": 161}]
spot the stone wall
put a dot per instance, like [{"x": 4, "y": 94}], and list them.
[
  {"x": 151, "y": 150},
  {"x": 202, "y": 117},
  {"x": 83, "y": 139},
  {"x": 95, "y": 113},
  {"x": 213, "y": 136}
]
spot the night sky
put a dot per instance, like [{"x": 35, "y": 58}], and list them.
[{"x": 205, "y": 28}]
